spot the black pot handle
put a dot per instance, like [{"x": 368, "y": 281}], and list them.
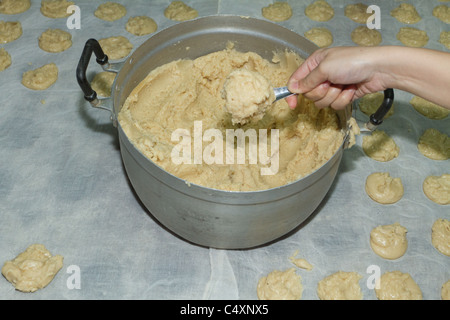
[
  {"x": 91, "y": 45},
  {"x": 377, "y": 118}
]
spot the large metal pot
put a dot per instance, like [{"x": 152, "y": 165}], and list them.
[{"x": 205, "y": 216}]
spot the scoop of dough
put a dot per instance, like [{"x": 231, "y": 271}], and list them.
[
  {"x": 340, "y": 286},
  {"x": 280, "y": 285},
  {"x": 396, "y": 285},
  {"x": 382, "y": 188},
  {"x": 322, "y": 37},
  {"x": 55, "y": 40},
  {"x": 14, "y": 6},
  {"x": 33, "y": 269},
  {"x": 277, "y": 11},
  {"x": 442, "y": 12},
  {"x": 379, "y": 146},
  {"x": 357, "y": 12},
  {"x": 40, "y": 78},
  {"x": 366, "y": 37},
  {"x": 445, "y": 291},
  {"x": 319, "y": 10},
  {"x": 412, "y": 37},
  {"x": 434, "y": 144},
  {"x": 370, "y": 103},
  {"x": 5, "y": 59},
  {"x": 440, "y": 236},
  {"x": 247, "y": 94},
  {"x": 437, "y": 188},
  {"x": 141, "y": 25},
  {"x": 389, "y": 241},
  {"x": 406, "y": 13},
  {"x": 10, "y": 31},
  {"x": 116, "y": 47},
  {"x": 110, "y": 11},
  {"x": 179, "y": 11},
  {"x": 55, "y": 8},
  {"x": 429, "y": 109}
]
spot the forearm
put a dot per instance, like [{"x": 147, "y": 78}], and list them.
[{"x": 420, "y": 71}]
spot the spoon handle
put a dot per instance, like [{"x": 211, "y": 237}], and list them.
[{"x": 281, "y": 93}]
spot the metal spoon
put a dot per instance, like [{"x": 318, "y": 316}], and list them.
[{"x": 281, "y": 93}]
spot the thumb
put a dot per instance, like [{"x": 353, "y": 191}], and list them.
[{"x": 308, "y": 82}]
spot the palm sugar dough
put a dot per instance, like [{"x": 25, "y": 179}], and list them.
[
  {"x": 280, "y": 285},
  {"x": 10, "y": 31},
  {"x": 32, "y": 269},
  {"x": 406, "y": 13},
  {"x": 382, "y": 188},
  {"x": 396, "y": 285},
  {"x": 434, "y": 144},
  {"x": 380, "y": 146},
  {"x": 102, "y": 83},
  {"x": 445, "y": 291},
  {"x": 14, "y": 6},
  {"x": 319, "y": 10},
  {"x": 322, "y": 37},
  {"x": 179, "y": 11},
  {"x": 389, "y": 241},
  {"x": 437, "y": 188},
  {"x": 56, "y": 8},
  {"x": 110, "y": 11},
  {"x": 370, "y": 103},
  {"x": 429, "y": 109},
  {"x": 40, "y": 78},
  {"x": 412, "y": 37},
  {"x": 340, "y": 285},
  {"x": 5, "y": 59},
  {"x": 116, "y": 47},
  {"x": 440, "y": 236},
  {"x": 55, "y": 40},
  {"x": 442, "y": 12},
  {"x": 247, "y": 94},
  {"x": 141, "y": 25},
  {"x": 357, "y": 12},
  {"x": 185, "y": 94},
  {"x": 277, "y": 11},
  {"x": 366, "y": 37}
]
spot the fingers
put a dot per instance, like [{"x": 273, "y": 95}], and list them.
[{"x": 335, "y": 96}]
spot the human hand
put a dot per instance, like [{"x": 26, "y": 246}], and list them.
[{"x": 336, "y": 76}]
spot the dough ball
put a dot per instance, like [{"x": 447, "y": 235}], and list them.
[
  {"x": 141, "y": 25},
  {"x": 406, "y": 13},
  {"x": 102, "y": 83},
  {"x": 437, "y": 188},
  {"x": 14, "y": 6},
  {"x": 370, "y": 103},
  {"x": 366, "y": 37},
  {"x": 5, "y": 59},
  {"x": 116, "y": 47},
  {"x": 247, "y": 95},
  {"x": 322, "y": 37},
  {"x": 440, "y": 235},
  {"x": 445, "y": 291},
  {"x": 444, "y": 38},
  {"x": 384, "y": 189},
  {"x": 40, "y": 78},
  {"x": 389, "y": 241},
  {"x": 10, "y": 31},
  {"x": 429, "y": 109},
  {"x": 110, "y": 11},
  {"x": 179, "y": 11},
  {"x": 434, "y": 145},
  {"x": 55, "y": 8},
  {"x": 412, "y": 37},
  {"x": 277, "y": 11},
  {"x": 55, "y": 40},
  {"x": 357, "y": 12},
  {"x": 396, "y": 285},
  {"x": 280, "y": 285},
  {"x": 340, "y": 286},
  {"x": 442, "y": 12},
  {"x": 319, "y": 10},
  {"x": 33, "y": 269},
  {"x": 380, "y": 146}
]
